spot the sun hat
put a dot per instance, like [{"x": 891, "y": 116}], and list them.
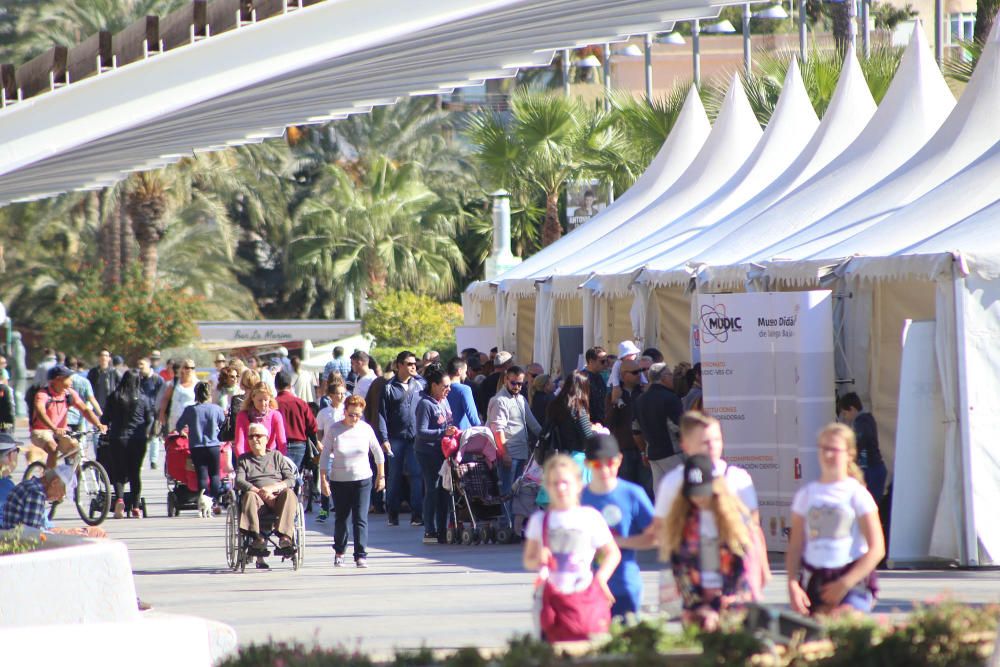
[
  {"x": 7, "y": 443},
  {"x": 502, "y": 358},
  {"x": 627, "y": 347}
]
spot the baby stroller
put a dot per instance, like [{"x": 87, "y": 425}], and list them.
[
  {"x": 182, "y": 479},
  {"x": 478, "y": 513}
]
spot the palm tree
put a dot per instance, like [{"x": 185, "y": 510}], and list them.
[
  {"x": 820, "y": 75},
  {"x": 68, "y": 22},
  {"x": 146, "y": 204},
  {"x": 534, "y": 151},
  {"x": 646, "y": 124},
  {"x": 376, "y": 229}
]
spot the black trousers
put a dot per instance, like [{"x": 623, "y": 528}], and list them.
[
  {"x": 206, "y": 464},
  {"x": 126, "y": 466}
]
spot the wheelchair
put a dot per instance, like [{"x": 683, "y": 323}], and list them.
[{"x": 238, "y": 543}]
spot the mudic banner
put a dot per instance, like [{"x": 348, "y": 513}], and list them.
[{"x": 767, "y": 375}]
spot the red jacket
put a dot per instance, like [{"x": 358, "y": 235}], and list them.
[{"x": 300, "y": 423}]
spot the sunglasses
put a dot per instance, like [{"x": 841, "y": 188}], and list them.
[
  {"x": 630, "y": 372},
  {"x": 257, "y": 435},
  {"x": 188, "y": 368},
  {"x": 597, "y": 464},
  {"x": 516, "y": 384},
  {"x": 411, "y": 363},
  {"x": 356, "y": 415}
]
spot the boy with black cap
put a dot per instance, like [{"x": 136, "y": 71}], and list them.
[{"x": 627, "y": 510}]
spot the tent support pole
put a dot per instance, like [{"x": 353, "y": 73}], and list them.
[{"x": 968, "y": 544}]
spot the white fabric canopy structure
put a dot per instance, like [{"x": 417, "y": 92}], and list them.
[
  {"x": 686, "y": 138},
  {"x": 850, "y": 108},
  {"x": 792, "y": 125},
  {"x": 894, "y": 209},
  {"x": 312, "y": 65}
]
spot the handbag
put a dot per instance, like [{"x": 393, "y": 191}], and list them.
[{"x": 572, "y": 616}]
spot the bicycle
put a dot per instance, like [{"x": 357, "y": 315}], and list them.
[{"x": 93, "y": 492}]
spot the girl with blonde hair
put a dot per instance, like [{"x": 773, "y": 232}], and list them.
[
  {"x": 836, "y": 539},
  {"x": 260, "y": 407},
  {"x": 706, "y": 540},
  {"x": 561, "y": 544}
]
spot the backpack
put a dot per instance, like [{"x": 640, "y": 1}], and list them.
[
  {"x": 29, "y": 400},
  {"x": 548, "y": 443}
]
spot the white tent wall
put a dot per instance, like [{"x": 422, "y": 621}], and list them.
[
  {"x": 523, "y": 346},
  {"x": 978, "y": 329},
  {"x": 552, "y": 312}
]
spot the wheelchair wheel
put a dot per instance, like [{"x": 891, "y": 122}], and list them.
[
  {"x": 93, "y": 493},
  {"x": 232, "y": 537},
  {"x": 300, "y": 538}
]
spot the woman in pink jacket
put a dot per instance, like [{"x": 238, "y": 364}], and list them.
[{"x": 260, "y": 408}]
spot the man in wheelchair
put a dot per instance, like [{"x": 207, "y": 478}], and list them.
[{"x": 265, "y": 480}]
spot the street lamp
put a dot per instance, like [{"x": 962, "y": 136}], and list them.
[
  {"x": 772, "y": 12},
  {"x": 589, "y": 62},
  {"x": 630, "y": 51},
  {"x": 672, "y": 38},
  {"x": 723, "y": 27}
]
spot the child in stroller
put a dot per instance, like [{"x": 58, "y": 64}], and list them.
[{"x": 478, "y": 512}]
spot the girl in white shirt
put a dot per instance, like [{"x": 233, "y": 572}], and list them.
[
  {"x": 836, "y": 540},
  {"x": 562, "y": 543}
]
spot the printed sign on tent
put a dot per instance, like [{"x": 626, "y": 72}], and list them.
[
  {"x": 584, "y": 200},
  {"x": 768, "y": 377}
]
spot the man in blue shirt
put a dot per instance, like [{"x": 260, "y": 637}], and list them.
[
  {"x": 460, "y": 398},
  {"x": 8, "y": 462},
  {"x": 626, "y": 508},
  {"x": 339, "y": 364}
]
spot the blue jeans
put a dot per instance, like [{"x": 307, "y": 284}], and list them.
[
  {"x": 403, "y": 462},
  {"x": 875, "y": 477},
  {"x": 296, "y": 452},
  {"x": 155, "y": 443},
  {"x": 508, "y": 475},
  {"x": 435, "y": 497},
  {"x": 350, "y": 499},
  {"x": 633, "y": 470}
]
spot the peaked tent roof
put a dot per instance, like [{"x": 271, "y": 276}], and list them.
[
  {"x": 792, "y": 125},
  {"x": 735, "y": 134},
  {"x": 850, "y": 108},
  {"x": 678, "y": 150},
  {"x": 914, "y": 107},
  {"x": 966, "y": 134}
]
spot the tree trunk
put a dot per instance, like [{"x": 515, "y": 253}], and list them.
[
  {"x": 111, "y": 241},
  {"x": 149, "y": 256},
  {"x": 986, "y": 11},
  {"x": 841, "y": 25},
  {"x": 127, "y": 243},
  {"x": 551, "y": 228}
]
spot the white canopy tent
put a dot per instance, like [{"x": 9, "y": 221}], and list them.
[{"x": 898, "y": 219}]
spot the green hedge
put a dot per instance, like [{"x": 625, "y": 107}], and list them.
[{"x": 943, "y": 635}]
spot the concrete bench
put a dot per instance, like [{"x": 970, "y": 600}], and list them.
[{"x": 81, "y": 592}]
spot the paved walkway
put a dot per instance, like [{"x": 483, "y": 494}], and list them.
[{"x": 411, "y": 595}]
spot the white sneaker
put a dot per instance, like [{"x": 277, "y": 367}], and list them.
[
  {"x": 338, "y": 560},
  {"x": 120, "y": 509},
  {"x": 361, "y": 562}
]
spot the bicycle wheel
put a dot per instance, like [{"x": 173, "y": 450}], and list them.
[{"x": 93, "y": 493}]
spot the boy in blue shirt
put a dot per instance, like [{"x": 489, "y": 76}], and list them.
[{"x": 626, "y": 508}]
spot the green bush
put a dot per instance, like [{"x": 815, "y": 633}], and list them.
[
  {"x": 411, "y": 321},
  {"x": 126, "y": 318}
]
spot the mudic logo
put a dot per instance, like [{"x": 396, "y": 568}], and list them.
[{"x": 716, "y": 324}]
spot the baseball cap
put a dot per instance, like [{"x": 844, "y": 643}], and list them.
[
  {"x": 220, "y": 357},
  {"x": 7, "y": 443},
  {"x": 117, "y": 360},
  {"x": 627, "y": 347},
  {"x": 59, "y": 371},
  {"x": 698, "y": 476},
  {"x": 155, "y": 354},
  {"x": 503, "y": 357},
  {"x": 602, "y": 447}
]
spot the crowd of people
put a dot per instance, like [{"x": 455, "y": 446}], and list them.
[{"x": 630, "y": 462}]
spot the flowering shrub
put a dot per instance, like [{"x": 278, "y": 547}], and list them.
[
  {"x": 14, "y": 542},
  {"x": 126, "y": 319}
]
